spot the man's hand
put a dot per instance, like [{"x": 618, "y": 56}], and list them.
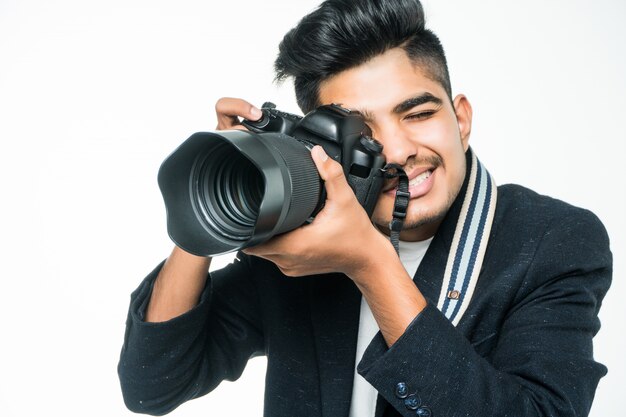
[
  {"x": 340, "y": 239},
  {"x": 229, "y": 110}
]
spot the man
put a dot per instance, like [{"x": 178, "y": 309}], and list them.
[{"x": 488, "y": 309}]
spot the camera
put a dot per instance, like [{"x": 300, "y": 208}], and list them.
[{"x": 233, "y": 189}]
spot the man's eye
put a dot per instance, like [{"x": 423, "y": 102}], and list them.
[{"x": 421, "y": 115}]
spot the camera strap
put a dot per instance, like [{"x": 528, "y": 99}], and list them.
[
  {"x": 469, "y": 243},
  {"x": 471, "y": 233},
  {"x": 400, "y": 204}
]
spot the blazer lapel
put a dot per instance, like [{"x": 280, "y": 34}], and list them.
[
  {"x": 335, "y": 304},
  {"x": 429, "y": 275}
]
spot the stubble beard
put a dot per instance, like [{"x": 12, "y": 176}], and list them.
[{"x": 423, "y": 218}]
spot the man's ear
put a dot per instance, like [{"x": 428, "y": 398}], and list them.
[{"x": 463, "y": 111}]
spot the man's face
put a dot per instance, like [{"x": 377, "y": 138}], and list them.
[{"x": 421, "y": 130}]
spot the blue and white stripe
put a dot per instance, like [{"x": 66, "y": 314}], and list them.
[{"x": 469, "y": 243}]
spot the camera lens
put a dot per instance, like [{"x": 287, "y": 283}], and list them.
[
  {"x": 228, "y": 191},
  {"x": 234, "y": 189}
]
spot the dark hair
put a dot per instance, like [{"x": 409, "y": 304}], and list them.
[{"x": 343, "y": 34}]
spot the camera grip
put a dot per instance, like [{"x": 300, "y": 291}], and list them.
[{"x": 367, "y": 190}]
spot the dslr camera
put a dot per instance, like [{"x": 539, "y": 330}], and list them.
[{"x": 233, "y": 189}]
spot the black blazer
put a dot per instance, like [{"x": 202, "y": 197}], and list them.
[{"x": 522, "y": 348}]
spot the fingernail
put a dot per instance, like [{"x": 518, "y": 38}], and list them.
[
  {"x": 320, "y": 153},
  {"x": 256, "y": 113}
]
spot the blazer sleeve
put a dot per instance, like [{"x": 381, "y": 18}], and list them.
[
  {"x": 542, "y": 363},
  {"x": 165, "y": 364}
]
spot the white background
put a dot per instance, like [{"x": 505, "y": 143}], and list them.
[{"x": 94, "y": 95}]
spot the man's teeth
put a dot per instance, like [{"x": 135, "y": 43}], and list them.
[{"x": 420, "y": 178}]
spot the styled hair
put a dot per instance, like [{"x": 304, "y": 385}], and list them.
[{"x": 343, "y": 34}]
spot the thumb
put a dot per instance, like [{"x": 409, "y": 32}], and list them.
[{"x": 331, "y": 172}]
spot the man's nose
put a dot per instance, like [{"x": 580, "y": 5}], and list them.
[{"x": 399, "y": 146}]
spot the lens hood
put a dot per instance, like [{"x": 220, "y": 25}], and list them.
[{"x": 291, "y": 189}]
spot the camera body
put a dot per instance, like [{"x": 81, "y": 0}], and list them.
[{"x": 345, "y": 137}]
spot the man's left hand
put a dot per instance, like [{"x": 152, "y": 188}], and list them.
[{"x": 341, "y": 238}]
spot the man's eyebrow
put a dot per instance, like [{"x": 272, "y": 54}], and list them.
[
  {"x": 406, "y": 105},
  {"x": 409, "y": 103}
]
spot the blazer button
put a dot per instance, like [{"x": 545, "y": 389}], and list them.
[
  {"x": 402, "y": 390},
  {"x": 423, "y": 412},
  {"x": 412, "y": 402}
]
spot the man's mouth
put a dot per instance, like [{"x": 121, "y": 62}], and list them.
[
  {"x": 419, "y": 185},
  {"x": 420, "y": 178},
  {"x": 419, "y": 171}
]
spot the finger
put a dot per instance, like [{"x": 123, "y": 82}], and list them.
[
  {"x": 229, "y": 110},
  {"x": 262, "y": 250},
  {"x": 278, "y": 246},
  {"x": 332, "y": 173}
]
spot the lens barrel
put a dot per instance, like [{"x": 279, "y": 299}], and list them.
[{"x": 229, "y": 190}]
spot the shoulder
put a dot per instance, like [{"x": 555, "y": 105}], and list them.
[
  {"x": 521, "y": 208},
  {"x": 548, "y": 234},
  {"x": 514, "y": 198},
  {"x": 540, "y": 246}
]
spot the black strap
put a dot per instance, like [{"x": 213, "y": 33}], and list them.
[{"x": 400, "y": 204}]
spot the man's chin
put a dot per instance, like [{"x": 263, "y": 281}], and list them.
[
  {"x": 428, "y": 219},
  {"x": 421, "y": 224}
]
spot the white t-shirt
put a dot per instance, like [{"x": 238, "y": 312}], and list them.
[{"x": 364, "y": 395}]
